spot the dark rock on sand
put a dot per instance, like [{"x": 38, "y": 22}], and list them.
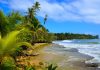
[{"x": 92, "y": 64}]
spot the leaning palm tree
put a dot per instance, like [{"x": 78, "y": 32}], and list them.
[
  {"x": 32, "y": 12},
  {"x": 33, "y": 23},
  {"x": 35, "y": 29}
]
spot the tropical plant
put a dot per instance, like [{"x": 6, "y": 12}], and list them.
[
  {"x": 29, "y": 68},
  {"x": 8, "y": 63},
  {"x": 36, "y": 7},
  {"x": 9, "y": 44},
  {"x": 14, "y": 18},
  {"x": 45, "y": 18},
  {"x": 25, "y": 36},
  {"x": 4, "y": 23},
  {"x": 51, "y": 67}
]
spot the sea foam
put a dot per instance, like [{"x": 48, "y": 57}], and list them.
[{"x": 84, "y": 46}]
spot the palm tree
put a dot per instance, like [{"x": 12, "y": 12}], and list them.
[
  {"x": 36, "y": 6},
  {"x": 35, "y": 28},
  {"x": 33, "y": 23},
  {"x": 14, "y": 19},
  {"x": 45, "y": 18},
  {"x": 3, "y": 24},
  {"x": 32, "y": 12}
]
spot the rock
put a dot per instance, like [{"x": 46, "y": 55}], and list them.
[
  {"x": 35, "y": 54},
  {"x": 92, "y": 64},
  {"x": 32, "y": 54}
]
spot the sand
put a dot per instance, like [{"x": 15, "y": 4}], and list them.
[{"x": 65, "y": 59}]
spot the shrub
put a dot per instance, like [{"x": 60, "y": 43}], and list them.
[
  {"x": 51, "y": 67},
  {"x": 8, "y": 63}
]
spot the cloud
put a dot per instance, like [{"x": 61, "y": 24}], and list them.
[
  {"x": 62, "y": 10},
  {"x": 19, "y": 5},
  {"x": 76, "y": 10}
]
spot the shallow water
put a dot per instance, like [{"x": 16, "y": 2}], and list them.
[{"x": 87, "y": 46}]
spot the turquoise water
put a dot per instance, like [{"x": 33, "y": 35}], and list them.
[{"x": 87, "y": 46}]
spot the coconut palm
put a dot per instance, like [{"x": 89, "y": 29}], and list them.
[
  {"x": 32, "y": 11},
  {"x": 36, "y": 6},
  {"x": 45, "y": 18}
]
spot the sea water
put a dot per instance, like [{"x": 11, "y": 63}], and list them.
[{"x": 86, "y": 46}]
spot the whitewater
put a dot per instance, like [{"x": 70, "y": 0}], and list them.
[{"x": 89, "y": 47}]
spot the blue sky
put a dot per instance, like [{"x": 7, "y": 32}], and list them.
[{"x": 76, "y": 16}]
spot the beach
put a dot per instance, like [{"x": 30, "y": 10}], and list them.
[{"x": 69, "y": 59}]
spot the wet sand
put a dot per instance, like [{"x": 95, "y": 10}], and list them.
[{"x": 65, "y": 59}]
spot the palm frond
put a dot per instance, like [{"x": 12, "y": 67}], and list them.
[{"x": 8, "y": 44}]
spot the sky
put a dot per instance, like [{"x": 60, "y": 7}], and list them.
[{"x": 75, "y": 16}]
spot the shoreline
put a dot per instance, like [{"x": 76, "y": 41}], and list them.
[
  {"x": 65, "y": 59},
  {"x": 71, "y": 58}
]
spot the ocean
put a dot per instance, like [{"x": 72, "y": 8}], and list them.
[{"x": 89, "y": 47}]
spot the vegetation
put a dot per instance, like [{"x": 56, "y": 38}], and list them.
[
  {"x": 64, "y": 36},
  {"x": 51, "y": 67},
  {"x": 19, "y": 32},
  {"x": 9, "y": 46}
]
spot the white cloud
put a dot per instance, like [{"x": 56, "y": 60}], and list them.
[
  {"x": 76, "y": 10},
  {"x": 79, "y": 10}
]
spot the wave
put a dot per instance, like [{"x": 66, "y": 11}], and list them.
[
  {"x": 89, "y": 49},
  {"x": 67, "y": 41}
]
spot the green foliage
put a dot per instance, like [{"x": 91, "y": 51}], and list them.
[
  {"x": 51, "y": 67},
  {"x": 14, "y": 18},
  {"x": 8, "y": 23},
  {"x": 12, "y": 40},
  {"x": 18, "y": 52},
  {"x": 45, "y": 18},
  {"x": 8, "y": 64},
  {"x": 3, "y": 24},
  {"x": 63, "y": 36},
  {"x": 25, "y": 36},
  {"x": 29, "y": 68},
  {"x": 8, "y": 44}
]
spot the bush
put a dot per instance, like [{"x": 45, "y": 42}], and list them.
[
  {"x": 29, "y": 68},
  {"x": 25, "y": 36},
  {"x": 8, "y": 63}
]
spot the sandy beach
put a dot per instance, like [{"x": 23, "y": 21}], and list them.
[{"x": 65, "y": 59}]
